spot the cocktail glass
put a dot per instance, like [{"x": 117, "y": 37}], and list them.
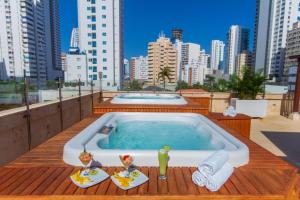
[
  {"x": 85, "y": 159},
  {"x": 127, "y": 162}
]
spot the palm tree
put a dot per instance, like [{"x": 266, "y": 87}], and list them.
[{"x": 163, "y": 74}]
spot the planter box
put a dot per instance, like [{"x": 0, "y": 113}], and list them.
[{"x": 252, "y": 108}]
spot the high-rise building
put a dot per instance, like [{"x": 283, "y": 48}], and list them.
[
  {"x": 101, "y": 37},
  {"x": 74, "y": 42},
  {"x": 292, "y": 49},
  {"x": 178, "y": 47},
  {"x": 190, "y": 53},
  {"x": 29, "y": 40},
  {"x": 139, "y": 68},
  {"x": 126, "y": 69},
  {"x": 53, "y": 42},
  {"x": 161, "y": 54},
  {"x": 237, "y": 42},
  {"x": 243, "y": 60},
  {"x": 195, "y": 63},
  {"x": 273, "y": 20},
  {"x": 217, "y": 55},
  {"x": 177, "y": 34}
]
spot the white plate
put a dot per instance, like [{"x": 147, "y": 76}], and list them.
[
  {"x": 95, "y": 179},
  {"x": 142, "y": 178}
]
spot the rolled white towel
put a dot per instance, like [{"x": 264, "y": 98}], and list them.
[
  {"x": 215, "y": 182},
  {"x": 199, "y": 179},
  {"x": 213, "y": 163},
  {"x": 230, "y": 111}
]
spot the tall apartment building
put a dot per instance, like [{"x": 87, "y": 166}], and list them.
[
  {"x": 74, "y": 41},
  {"x": 292, "y": 49},
  {"x": 126, "y": 68},
  {"x": 243, "y": 60},
  {"x": 161, "y": 54},
  {"x": 217, "y": 55},
  {"x": 53, "y": 42},
  {"x": 101, "y": 37},
  {"x": 273, "y": 20},
  {"x": 195, "y": 63},
  {"x": 139, "y": 68},
  {"x": 29, "y": 40},
  {"x": 237, "y": 41},
  {"x": 177, "y": 34},
  {"x": 190, "y": 53}
]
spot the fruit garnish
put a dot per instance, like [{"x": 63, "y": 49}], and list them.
[
  {"x": 80, "y": 179},
  {"x": 124, "y": 181},
  {"x": 93, "y": 172},
  {"x": 166, "y": 148},
  {"x": 135, "y": 174}
]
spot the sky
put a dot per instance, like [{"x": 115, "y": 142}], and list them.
[{"x": 201, "y": 21}]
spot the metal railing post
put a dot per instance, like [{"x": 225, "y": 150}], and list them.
[
  {"x": 92, "y": 94},
  {"x": 79, "y": 93},
  {"x": 100, "y": 86},
  {"x": 60, "y": 104},
  {"x": 27, "y": 113}
]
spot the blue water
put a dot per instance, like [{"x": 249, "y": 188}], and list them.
[
  {"x": 148, "y": 97},
  {"x": 153, "y": 135}
]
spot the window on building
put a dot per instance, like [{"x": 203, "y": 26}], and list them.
[
  {"x": 93, "y": 1},
  {"x": 78, "y": 67},
  {"x": 93, "y": 18},
  {"x": 104, "y": 76},
  {"x": 93, "y": 9},
  {"x": 103, "y": 16},
  {"x": 95, "y": 69},
  {"x": 104, "y": 68},
  {"x": 104, "y": 59},
  {"x": 93, "y": 27},
  {"x": 104, "y": 51},
  {"x": 94, "y": 60},
  {"x": 104, "y": 34},
  {"x": 94, "y": 44},
  {"x": 103, "y": 25},
  {"x": 104, "y": 42},
  {"x": 94, "y": 77},
  {"x": 103, "y": 7},
  {"x": 90, "y": 68}
]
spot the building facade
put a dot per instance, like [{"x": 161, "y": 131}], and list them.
[
  {"x": 76, "y": 68},
  {"x": 273, "y": 20},
  {"x": 126, "y": 68},
  {"x": 101, "y": 38},
  {"x": 217, "y": 55},
  {"x": 139, "y": 68},
  {"x": 243, "y": 60},
  {"x": 29, "y": 40},
  {"x": 161, "y": 54},
  {"x": 237, "y": 42},
  {"x": 177, "y": 34},
  {"x": 292, "y": 49},
  {"x": 74, "y": 41}
]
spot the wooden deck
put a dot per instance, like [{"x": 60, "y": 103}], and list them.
[
  {"x": 199, "y": 105},
  {"x": 41, "y": 174}
]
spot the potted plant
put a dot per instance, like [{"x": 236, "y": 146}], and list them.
[{"x": 247, "y": 87}]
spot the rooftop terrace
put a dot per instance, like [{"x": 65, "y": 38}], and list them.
[{"x": 41, "y": 173}]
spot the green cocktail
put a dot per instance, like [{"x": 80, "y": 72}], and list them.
[{"x": 163, "y": 159}]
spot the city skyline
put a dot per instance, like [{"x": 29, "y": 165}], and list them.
[{"x": 201, "y": 31}]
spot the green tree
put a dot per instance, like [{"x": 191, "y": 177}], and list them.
[
  {"x": 181, "y": 85},
  {"x": 249, "y": 86},
  {"x": 165, "y": 73},
  {"x": 198, "y": 86},
  {"x": 135, "y": 85}
]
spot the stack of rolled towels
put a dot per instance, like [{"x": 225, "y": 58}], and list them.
[
  {"x": 214, "y": 171},
  {"x": 230, "y": 111}
]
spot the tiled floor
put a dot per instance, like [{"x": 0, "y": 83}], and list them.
[{"x": 272, "y": 124}]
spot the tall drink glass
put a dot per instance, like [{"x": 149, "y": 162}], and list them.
[{"x": 163, "y": 158}]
